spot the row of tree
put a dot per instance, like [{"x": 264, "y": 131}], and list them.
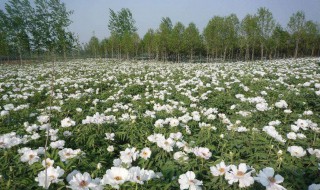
[
  {"x": 40, "y": 29},
  {"x": 35, "y": 30},
  {"x": 256, "y": 36}
]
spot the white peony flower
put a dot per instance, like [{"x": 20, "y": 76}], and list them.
[
  {"x": 110, "y": 136},
  {"x": 239, "y": 175},
  {"x": 129, "y": 155},
  {"x": 303, "y": 124},
  {"x": 262, "y": 106},
  {"x": 110, "y": 148},
  {"x": 47, "y": 163},
  {"x": 117, "y": 162},
  {"x": 274, "y": 123},
  {"x": 189, "y": 181},
  {"x": 58, "y": 144},
  {"x": 202, "y": 152},
  {"x": 309, "y": 112},
  {"x": 155, "y": 138},
  {"x": 270, "y": 130},
  {"x": 35, "y": 136},
  {"x": 296, "y": 151},
  {"x": 145, "y": 153},
  {"x": 287, "y": 111},
  {"x": 67, "y": 133},
  {"x": 166, "y": 144},
  {"x": 48, "y": 176},
  {"x": 83, "y": 182},
  {"x": 176, "y": 136},
  {"x": 159, "y": 123},
  {"x": 67, "y": 122},
  {"x": 281, "y": 104},
  {"x": 68, "y": 153},
  {"x": 219, "y": 169},
  {"x": 99, "y": 166},
  {"x": 43, "y": 119},
  {"x": 292, "y": 135},
  {"x": 180, "y": 156},
  {"x": 315, "y": 152},
  {"x": 8, "y": 107},
  {"x": 294, "y": 128},
  {"x": 30, "y": 156},
  {"x": 138, "y": 175},
  {"x": 174, "y": 122},
  {"x": 314, "y": 186},
  {"x": 115, "y": 177},
  {"x": 301, "y": 136},
  {"x": 266, "y": 178},
  {"x": 4, "y": 113}
]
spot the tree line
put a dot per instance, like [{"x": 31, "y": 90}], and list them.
[
  {"x": 40, "y": 29},
  {"x": 36, "y": 30},
  {"x": 256, "y": 36}
]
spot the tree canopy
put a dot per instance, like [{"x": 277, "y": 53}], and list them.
[
  {"x": 35, "y": 29},
  {"x": 256, "y": 36},
  {"x": 41, "y": 28}
]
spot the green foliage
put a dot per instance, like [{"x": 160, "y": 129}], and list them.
[
  {"x": 36, "y": 28},
  {"x": 296, "y": 26},
  {"x": 223, "y": 38},
  {"x": 181, "y": 89},
  {"x": 121, "y": 22},
  {"x": 93, "y": 46},
  {"x": 266, "y": 25},
  {"x": 122, "y": 29},
  {"x": 192, "y": 39}
]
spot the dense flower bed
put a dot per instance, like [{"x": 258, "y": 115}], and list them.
[{"x": 160, "y": 126}]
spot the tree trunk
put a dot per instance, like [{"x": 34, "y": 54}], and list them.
[
  {"x": 64, "y": 53},
  {"x": 157, "y": 55},
  {"x": 312, "y": 51},
  {"x": 252, "y": 54},
  {"x": 216, "y": 53},
  {"x": 270, "y": 55},
  {"x": 225, "y": 53},
  {"x": 232, "y": 56},
  {"x": 261, "y": 51},
  {"x": 247, "y": 53},
  {"x": 162, "y": 57},
  {"x": 112, "y": 52},
  {"x": 212, "y": 55},
  {"x": 191, "y": 53},
  {"x": 20, "y": 56},
  {"x": 296, "y": 49},
  {"x": 136, "y": 53}
]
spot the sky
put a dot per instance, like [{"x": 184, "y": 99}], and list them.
[{"x": 91, "y": 17}]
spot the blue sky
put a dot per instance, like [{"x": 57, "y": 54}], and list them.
[{"x": 92, "y": 15}]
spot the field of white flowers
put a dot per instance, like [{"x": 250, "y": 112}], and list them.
[{"x": 160, "y": 126}]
